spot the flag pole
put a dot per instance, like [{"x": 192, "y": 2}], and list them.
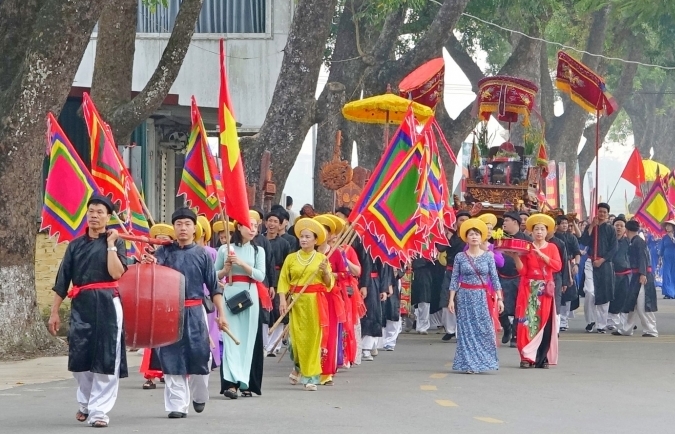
[
  {"x": 226, "y": 221},
  {"x": 597, "y": 185}
]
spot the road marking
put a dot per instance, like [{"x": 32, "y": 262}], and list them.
[
  {"x": 439, "y": 375},
  {"x": 488, "y": 419},
  {"x": 446, "y": 403},
  {"x": 428, "y": 387}
]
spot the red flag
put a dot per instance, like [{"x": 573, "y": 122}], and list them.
[
  {"x": 236, "y": 199},
  {"x": 200, "y": 182},
  {"x": 634, "y": 172}
]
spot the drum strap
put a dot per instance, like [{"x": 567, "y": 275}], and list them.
[{"x": 98, "y": 285}]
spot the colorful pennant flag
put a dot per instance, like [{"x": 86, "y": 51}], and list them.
[
  {"x": 394, "y": 153},
  {"x": 236, "y": 198},
  {"x": 200, "y": 182},
  {"x": 69, "y": 187},
  {"x": 108, "y": 170},
  {"x": 578, "y": 207},
  {"x": 634, "y": 172},
  {"x": 584, "y": 86},
  {"x": 655, "y": 209}
]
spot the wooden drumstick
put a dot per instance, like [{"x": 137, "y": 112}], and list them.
[{"x": 229, "y": 333}]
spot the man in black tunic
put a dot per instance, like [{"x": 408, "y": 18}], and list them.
[
  {"x": 381, "y": 278},
  {"x": 189, "y": 357},
  {"x": 290, "y": 239},
  {"x": 96, "y": 354},
  {"x": 510, "y": 279},
  {"x": 447, "y": 255},
  {"x": 641, "y": 298},
  {"x": 599, "y": 271},
  {"x": 622, "y": 274},
  {"x": 573, "y": 259},
  {"x": 281, "y": 249}
]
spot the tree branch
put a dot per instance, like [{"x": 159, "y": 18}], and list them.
[
  {"x": 127, "y": 117},
  {"x": 466, "y": 63},
  {"x": 546, "y": 91}
]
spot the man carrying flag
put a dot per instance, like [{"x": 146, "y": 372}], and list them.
[{"x": 93, "y": 263}]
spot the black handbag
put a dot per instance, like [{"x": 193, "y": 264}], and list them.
[{"x": 239, "y": 302}]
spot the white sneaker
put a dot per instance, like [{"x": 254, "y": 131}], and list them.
[
  {"x": 374, "y": 352},
  {"x": 367, "y": 357}
]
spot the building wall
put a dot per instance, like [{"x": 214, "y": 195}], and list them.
[
  {"x": 253, "y": 65},
  {"x": 48, "y": 256}
]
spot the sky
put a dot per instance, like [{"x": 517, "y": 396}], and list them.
[{"x": 457, "y": 95}]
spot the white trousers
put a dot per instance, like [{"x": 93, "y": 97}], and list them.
[
  {"x": 178, "y": 389},
  {"x": 593, "y": 313},
  {"x": 436, "y": 319},
  {"x": 422, "y": 315},
  {"x": 359, "y": 344},
  {"x": 564, "y": 312},
  {"x": 449, "y": 321},
  {"x": 97, "y": 393},
  {"x": 368, "y": 343},
  {"x": 613, "y": 319},
  {"x": 648, "y": 319},
  {"x": 390, "y": 333},
  {"x": 269, "y": 340}
]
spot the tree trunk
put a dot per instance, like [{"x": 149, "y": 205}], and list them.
[
  {"x": 293, "y": 107},
  {"x": 329, "y": 118},
  {"x": 41, "y": 82},
  {"x": 113, "y": 66}
]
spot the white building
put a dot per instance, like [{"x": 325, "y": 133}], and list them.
[{"x": 255, "y": 33}]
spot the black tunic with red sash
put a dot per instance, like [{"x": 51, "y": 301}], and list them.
[
  {"x": 191, "y": 354},
  {"x": 622, "y": 272},
  {"x": 92, "y": 336}
]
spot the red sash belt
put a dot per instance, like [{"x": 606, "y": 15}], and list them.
[
  {"x": 322, "y": 304},
  {"x": 263, "y": 294},
  {"x": 449, "y": 268},
  {"x": 623, "y": 273},
  {"x": 276, "y": 267},
  {"x": 470, "y": 286},
  {"x": 98, "y": 285},
  {"x": 374, "y": 275},
  {"x": 637, "y": 270},
  {"x": 193, "y": 302}
]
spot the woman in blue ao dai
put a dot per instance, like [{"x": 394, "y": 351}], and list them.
[{"x": 474, "y": 270}]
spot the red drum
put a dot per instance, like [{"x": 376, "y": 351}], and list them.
[
  {"x": 425, "y": 84},
  {"x": 153, "y": 299},
  {"x": 513, "y": 245}
]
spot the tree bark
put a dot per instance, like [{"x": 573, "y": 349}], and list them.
[
  {"x": 293, "y": 107},
  {"x": 113, "y": 66},
  {"x": 41, "y": 82},
  {"x": 329, "y": 118}
]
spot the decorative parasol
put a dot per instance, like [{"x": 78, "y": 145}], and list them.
[
  {"x": 654, "y": 169},
  {"x": 425, "y": 84},
  {"x": 384, "y": 109},
  {"x": 508, "y": 97}
]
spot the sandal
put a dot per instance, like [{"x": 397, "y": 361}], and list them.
[
  {"x": 328, "y": 383},
  {"x": 81, "y": 417},
  {"x": 246, "y": 394},
  {"x": 100, "y": 424},
  {"x": 525, "y": 365},
  {"x": 294, "y": 378},
  {"x": 231, "y": 393},
  {"x": 149, "y": 385},
  {"x": 310, "y": 387}
]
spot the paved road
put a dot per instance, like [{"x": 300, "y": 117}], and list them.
[{"x": 603, "y": 384}]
